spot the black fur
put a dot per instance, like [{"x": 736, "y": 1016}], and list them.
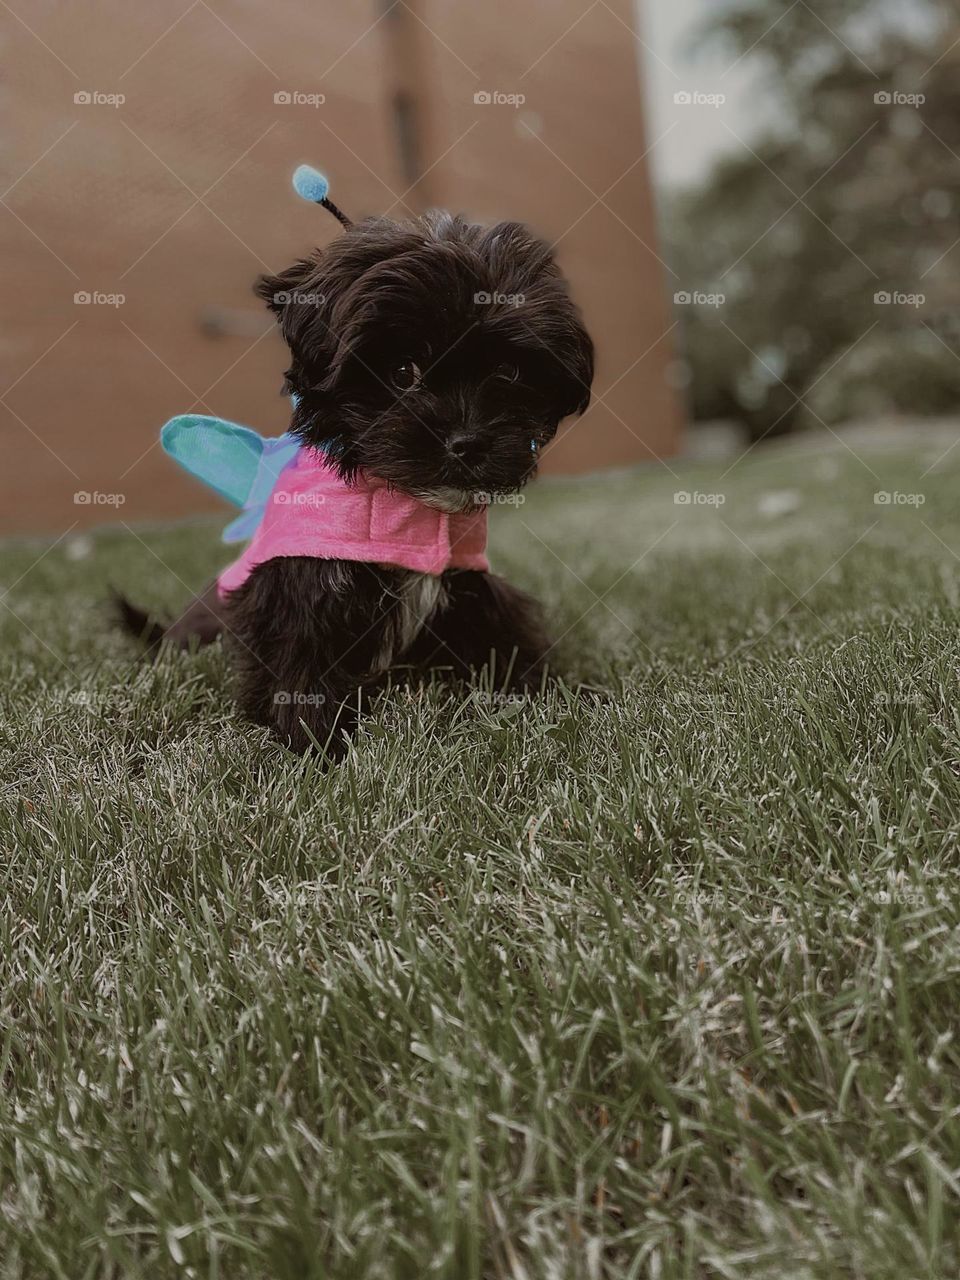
[{"x": 404, "y": 370}]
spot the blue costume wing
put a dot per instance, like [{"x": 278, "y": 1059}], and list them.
[{"x": 239, "y": 464}]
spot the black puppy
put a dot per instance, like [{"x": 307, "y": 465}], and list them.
[{"x": 438, "y": 356}]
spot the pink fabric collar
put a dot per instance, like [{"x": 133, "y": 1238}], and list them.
[{"x": 312, "y": 512}]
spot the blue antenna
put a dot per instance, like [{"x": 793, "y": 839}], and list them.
[{"x": 310, "y": 184}]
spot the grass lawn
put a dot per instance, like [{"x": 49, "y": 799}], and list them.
[{"x": 661, "y": 986}]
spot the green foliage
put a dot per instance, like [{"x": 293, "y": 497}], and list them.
[{"x": 841, "y": 198}]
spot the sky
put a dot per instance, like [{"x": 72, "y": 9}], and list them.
[{"x": 700, "y": 130}]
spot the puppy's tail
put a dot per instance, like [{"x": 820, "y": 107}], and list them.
[{"x": 137, "y": 622}]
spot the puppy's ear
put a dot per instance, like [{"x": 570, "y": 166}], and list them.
[
  {"x": 578, "y": 358},
  {"x": 523, "y": 264},
  {"x": 568, "y": 368},
  {"x": 298, "y": 299},
  {"x": 279, "y": 291}
]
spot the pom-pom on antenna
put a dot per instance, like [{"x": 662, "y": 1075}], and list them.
[{"x": 310, "y": 184}]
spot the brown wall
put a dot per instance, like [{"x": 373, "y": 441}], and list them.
[{"x": 178, "y": 197}]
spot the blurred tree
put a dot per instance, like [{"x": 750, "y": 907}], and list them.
[{"x": 851, "y": 195}]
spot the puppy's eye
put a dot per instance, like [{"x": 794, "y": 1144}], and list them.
[
  {"x": 507, "y": 371},
  {"x": 406, "y": 376}
]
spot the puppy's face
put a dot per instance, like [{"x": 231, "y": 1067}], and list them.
[{"x": 439, "y": 356}]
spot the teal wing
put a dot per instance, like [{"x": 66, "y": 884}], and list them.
[
  {"x": 222, "y": 454},
  {"x": 235, "y": 461}
]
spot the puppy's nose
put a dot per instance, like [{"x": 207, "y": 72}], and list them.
[{"x": 464, "y": 446}]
